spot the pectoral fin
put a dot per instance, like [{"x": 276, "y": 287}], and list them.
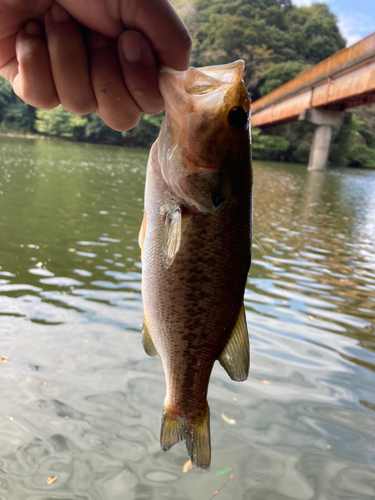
[
  {"x": 172, "y": 237},
  {"x": 147, "y": 342},
  {"x": 235, "y": 357},
  {"x": 142, "y": 231}
]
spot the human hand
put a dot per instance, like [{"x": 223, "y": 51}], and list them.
[{"x": 91, "y": 54}]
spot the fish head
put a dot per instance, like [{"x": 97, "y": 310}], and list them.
[{"x": 204, "y": 142}]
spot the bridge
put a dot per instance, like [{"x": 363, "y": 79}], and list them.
[{"x": 321, "y": 95}]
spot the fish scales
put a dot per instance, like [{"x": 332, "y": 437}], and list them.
[
  {"x": 198, "y": 297},
  {"x": 196, "y": 247}
]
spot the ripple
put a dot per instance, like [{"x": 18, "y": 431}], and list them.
[
  {"x": 89, "y": 255},
  {"x": 82, "y": 401},
  {"x": 40, "y": 272},
  {"x": 61, "y": 281},
  {"x": 82, "y": 272},
  {"x": 18, "y": 288},
  {"x": 7, "y": 274},
  {"x": 160, "y": 476},
  {"x": 92, "y": 243}
]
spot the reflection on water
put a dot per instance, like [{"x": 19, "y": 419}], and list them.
[{"x": 81, "y": 400}]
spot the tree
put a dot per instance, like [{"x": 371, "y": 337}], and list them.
[
  {"x": 61, "y": 123},
  {"x": 6, "y": 93},
  {"x": 281, "y": 73},
  {"x": 15, "y": 114},
  {"x": 321, "y": 34},
  {"x": 145, "y": 133},
  {"x": 263, "y": 33},
  {"x": 268, "y": 147},
  {"x": 97, "y": 131}
]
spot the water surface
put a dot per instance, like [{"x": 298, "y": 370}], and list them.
[{"x": 80, "y": 399}]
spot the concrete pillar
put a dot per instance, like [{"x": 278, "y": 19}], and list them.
[
  {"x": 320, "y": 148},
  {"x": 325, "y": 119}
]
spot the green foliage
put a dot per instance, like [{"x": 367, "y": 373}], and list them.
[
  {"x": 61, "y": 123},
  {"x": 321, "y": 34},
  {"x": 281, "y": 73},
  {"x": 145, "y": 133},
  {"x": 226, "y": 31},
  {"x": 18, "y": 116},
  {"x": 362, "y": 156},
  {"x": 264, "y": 33},
  {"x": 97, "y": 131},
  {"x": 6, "y": 93},
  {"x": 343, "y": 141},
  {"x": 364, "y": 118},
  {"x": 15, "y": 115},
  {"x": 289, "y": 143},
  {"x": 354, "y": 143},
  {"x": 300, "y": 137},
  {"x": 268, "y": 147}
]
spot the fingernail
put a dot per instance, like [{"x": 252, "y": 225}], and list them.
[
  {"x": 59, "y": 14},
  {"x": 32, "y": 28},
  {"x": 132, "y": 46}
]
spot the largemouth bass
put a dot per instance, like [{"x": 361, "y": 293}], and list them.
[{"x": 196, "y": 245}]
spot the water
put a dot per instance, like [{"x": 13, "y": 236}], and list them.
[{"x": 80, "y": 399}]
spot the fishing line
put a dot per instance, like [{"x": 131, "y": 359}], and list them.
[{"x": 217, "y": 491}]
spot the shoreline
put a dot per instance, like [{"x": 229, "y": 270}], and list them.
[
  {"x": 65, "y": 139},
  {"x": 11, "y": 135},
  {"x": 30, "y": 136}
]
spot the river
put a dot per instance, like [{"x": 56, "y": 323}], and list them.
[{"x": 80, "y": 400}]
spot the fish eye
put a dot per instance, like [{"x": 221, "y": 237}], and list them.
[{"x": 237, "y": 117}]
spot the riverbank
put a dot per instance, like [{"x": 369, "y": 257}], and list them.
[
  {"x": 13, "y": 135},
  {"x": 30, "y": 136}
]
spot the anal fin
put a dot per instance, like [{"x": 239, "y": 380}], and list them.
[
  {"x": 235, "y": 357},
  {"x": 148, "y": 344}
]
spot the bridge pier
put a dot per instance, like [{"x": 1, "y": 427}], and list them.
[
  {"x": 324, "y": 119},
  {"x": 320, "y": 148}
]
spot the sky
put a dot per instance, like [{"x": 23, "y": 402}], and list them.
[{"x": 356, "y": 17}]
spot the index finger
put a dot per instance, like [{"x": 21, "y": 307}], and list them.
[{"x": 162, "y": 26}]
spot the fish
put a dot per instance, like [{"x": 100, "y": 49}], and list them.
[{"x": 195, "y": 244}]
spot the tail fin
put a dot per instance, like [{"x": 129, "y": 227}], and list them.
[{"x": 194, "y": 429}]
